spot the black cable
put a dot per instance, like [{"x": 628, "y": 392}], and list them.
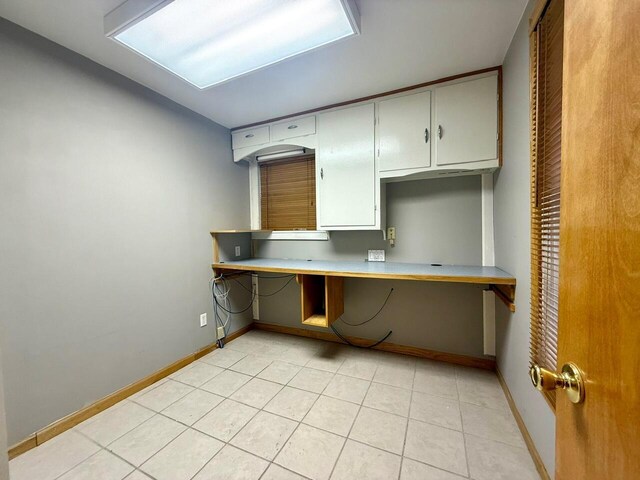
[
  {"x": 253, "y": 297},
  {"x": 367, "y": 321},
  {"x": 267, "y": 277},
  {"x": 360, "y": 346},
  {"x": 291, "y": 277}
]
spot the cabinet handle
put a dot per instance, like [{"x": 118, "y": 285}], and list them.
[
  {"x": 322, "y": 173},
  {"x": 426, "y": 135},
  {"x": 291, "y": 127},
  {"x": 440, "y": 131},
  {"x": 249, "y": 135}
]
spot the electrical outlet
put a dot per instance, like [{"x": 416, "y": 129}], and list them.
[
  {"x": 376, "y": 256},
  {"x": 237, "y": 250},
  {"x": 391, "y": 233},
  {"x": 221, "y": 333},
  {"x": 203, "y": 319}
]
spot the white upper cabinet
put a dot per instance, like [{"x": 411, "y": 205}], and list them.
[
  {"x": 293, "y": 128},
  {"x": 347, "y": 184},
  {"x": 250, "y": 137},
  {"x": 404, "y": 133},
  {"x": 466, "y": 122}
]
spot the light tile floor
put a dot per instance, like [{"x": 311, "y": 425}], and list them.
[{"x": 278, "y": 407}]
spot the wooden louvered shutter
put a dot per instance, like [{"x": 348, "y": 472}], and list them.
[
  {"x": 288, "y": 194},
  {"x": 546, "y": 131}
]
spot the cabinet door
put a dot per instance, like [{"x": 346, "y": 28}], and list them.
[
  {"x": 345, "y": 168},
  {"x": 466, "y": 121},
  {"x": 404, "y": 129}
]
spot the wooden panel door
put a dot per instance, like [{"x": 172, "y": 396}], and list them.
[
  {"x": 599, "y": 309},
  {"x": 345, "y": 168},
  {"x": 466, "y": 121},
  {"x": 404, "y": 130}
]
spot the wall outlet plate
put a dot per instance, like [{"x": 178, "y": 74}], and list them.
[
  {"x": 237, "y": 250},
  {"x": 220, "y": 332},
  {"x": 376, "y": 256},
  {"x": 203, "y": 319}
]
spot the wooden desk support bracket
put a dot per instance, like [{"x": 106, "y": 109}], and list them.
[{"x": 506, "y": 293}]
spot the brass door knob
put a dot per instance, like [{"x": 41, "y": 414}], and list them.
[{"x": 570, "y": 380}]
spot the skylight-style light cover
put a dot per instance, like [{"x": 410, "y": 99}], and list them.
[{"x": 208, "y": 42}]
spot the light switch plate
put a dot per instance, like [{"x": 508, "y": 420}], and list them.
[
  {"x": 237, "y": 250},
  {"x": 376, "y": 256}
]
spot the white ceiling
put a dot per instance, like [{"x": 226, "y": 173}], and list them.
[{"x": 403, "y": 42}]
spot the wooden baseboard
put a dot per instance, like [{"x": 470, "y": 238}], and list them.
[
  {"x": 73, "y": 419},
  {"x": 537, "y": 460},
  {"x": 485, "y": 363}
]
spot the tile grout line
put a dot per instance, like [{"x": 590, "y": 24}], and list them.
[{"x": 406, "y": 430}]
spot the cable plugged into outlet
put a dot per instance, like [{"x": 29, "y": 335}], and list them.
[
  {"x": 203, "y": 319},
  {"x": 391, "y": 235},
  {"x": 221, "y": 333}
]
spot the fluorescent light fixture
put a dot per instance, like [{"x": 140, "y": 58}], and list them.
[
  {"x": 286, "y": 154},
  {"x": 208, "y": 42}
]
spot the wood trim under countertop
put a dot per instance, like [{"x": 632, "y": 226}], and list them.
[
  {"x": 484, "y": 363},
  {"x": 73, "y": 419},
  {"x": 533, "y": 451}
]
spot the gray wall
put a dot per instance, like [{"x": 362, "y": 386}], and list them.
[
  {"x": 4, "y": 461},
  {"x": 108, "y": 192},
  {"x": 512, "y": 236},
  {"x": 436, "y": 220}
]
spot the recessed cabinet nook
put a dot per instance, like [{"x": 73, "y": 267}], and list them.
[{"x": 442, "y": 128}]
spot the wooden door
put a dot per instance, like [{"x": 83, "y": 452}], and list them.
[
  {"x": 404, "y": 132},
  {"x": 599, "y": 309}
]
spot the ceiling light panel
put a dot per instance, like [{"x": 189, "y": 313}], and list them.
[{"x": 208, "y": 42}]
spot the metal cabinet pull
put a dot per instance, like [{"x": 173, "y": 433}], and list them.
[
  {"x": 440, "y": 131},
  {"x": 322, "y": 173},
  {"x": 249, "y": 135},
  {"x": 426, "y": 135},
  {"x": 291, "y": 127}
]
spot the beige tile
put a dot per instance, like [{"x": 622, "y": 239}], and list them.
[
  {"x": 298, "y": 355},
  {"x": 399, "y": 375},
  {"x": 251, "y": 364},
  {"x": 490, "y": 460},
  {"x": 437, "y": 446},
  {"x": 380, "y": 429},
  {"x": 223, "y": 357},
  {"x": 264, "y": 435},
  {"x": 329, "y": 357},
  {"x": 103, "y": 465},
  {"x": 311, "y": 380},
  {"x": 437, "y": 410},
  {"x": 226, "y": 383},
  {"x": 435, "y": 378},
  {"x": 148, "y": 389},
  {"x": 362, "y": 461},
  {"x": 358, "y": 368},
  {"x": 233, "y": 464},
  {"x": 224, "y": 421},
  {"x": 115, "y": 423},
  {"x": 138, "y": 475},
  {"x": 480, "y": 387},
  {"x": 388, "y": 398},
  {"x": 144, "y": 441},
  {"x": 291, "y": 403},
  {"x": 161, "y": 397},
  {"x": 493, "y": 424},
  {"x": 332, "y": 414},
  {"x": 256, "y": 393},
  {"x": 311, "y": 452},
  {"x": 276, "y": 472},
  {"x": 52, "y": 458},
  {"x": 198, "y": 374},
  {"x": 192, "y": 407},
  {"x": 183, "y": 457},
  {"x": 279, "y": 372},
  {"x": 412, "y": 470},
  {"x": 347, "y": 388}
]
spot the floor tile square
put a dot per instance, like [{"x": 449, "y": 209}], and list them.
[
  {"x": 388, "y": 398},
  {"x": 183, "y": 457},
  {"x": 437, "y": 446},
  {"x": 276, "y": 472},
  {"x": 311, "y": 452},
  {"x": 192, "y": 407},
  {"x": 490, "y": 460},
  {"x": 115, "y": 423},
  {"x": 358, "y": 368},
  {"x": 223, "y": 357},
  {"x": 251, "y": 365},
  {"x": 102, "y": 465},
  {"x": 311, "y": 380},
  {"x": 226, "y": 383},
  {"x": 434, "y": 383},
  {"x": 224, "y": 421},
  {"x": 279, "y": 372},
  {"x": 256, "y": 393},
  {"x": 198, "y": 374},
  {"x": 362, "y": 461},
  {"x": 291, "y": 403},
  {"x": 146, "y": 440},
  {"x": 264, "y": 435},
  {"x": 149, "y": 388},
  {"x": 399, "y": 375},
  {"x": 233, "y": 464},
  {"x": 380, "y": 429},
  {"x": 333, "y": 415},
  {"x": 138, "y": 475},
  {"x": 161, "y": 397},
  {"x": 437, "y": 410},
  {"x": 498, "y": 425},
  {"x": 412, "y": 470},
  {"x": 347, "y": 388},
  {"x": 480, "y": 387},
  {"x": 328, "y": 358}
]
